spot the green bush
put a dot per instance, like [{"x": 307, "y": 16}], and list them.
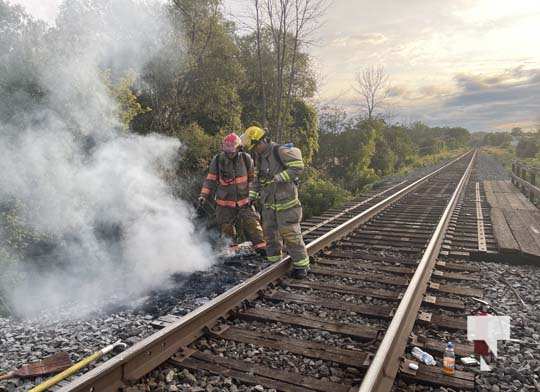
[
  {"x": 198, "y": 148},
  {"x": 527, "y": 148},
  {"x": 318, "y": 195}
]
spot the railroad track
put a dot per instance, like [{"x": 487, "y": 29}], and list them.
[
  {"x": 470, "y": 234},
  {"x": 376, "y": 279}
]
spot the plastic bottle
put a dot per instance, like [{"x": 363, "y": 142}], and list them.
[
  {"x": 422, "y": 356},
  {"x": 449, "y": 360}
]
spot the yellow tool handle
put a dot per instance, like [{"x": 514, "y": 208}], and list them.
[
  {"x": 75, "y": 368},
  {"x": 67, "y": 373}
]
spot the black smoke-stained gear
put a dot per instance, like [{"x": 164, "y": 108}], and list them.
[
  {"x": 229, "y": 180},
  {"x": 248, "y": 220}
]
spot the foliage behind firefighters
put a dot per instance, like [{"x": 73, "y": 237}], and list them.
[
  {"x": 196, "y": 77},
  {"x": 208, "y": 76},
  {"x": 318, "y": 194},
  {"x": 356, "y": 152},
  {"x": 208, "y": 80},
  {"x": 262, "y": 99}
]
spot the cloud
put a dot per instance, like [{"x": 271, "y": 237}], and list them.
[
  {"x": 509, "y": 78},
  {"x": 359, "y": 40},
  {"x": 445, "y": 59},
  {"x": 434, "y": 91},
  {"x": 510, "y": 87},
  {"x": 397, "y": 92},
  {"x": 428, "y": 92},
  {"x": 481, "y": 102},
  {"x": 469, "y": 82}
]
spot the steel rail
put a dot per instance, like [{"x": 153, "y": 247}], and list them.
[
  {"x": 386, "y": 363},
  {"x": 154, "y": 350},
  {"x": 347, "y": 210}
]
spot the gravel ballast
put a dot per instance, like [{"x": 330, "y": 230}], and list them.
[
  {"x": 517, "y": 368},
  {"x": 24, "y": 341}
]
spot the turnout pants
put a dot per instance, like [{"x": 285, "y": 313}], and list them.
[
  {"x": 283, "y": 228},
  {"x": 227, "y": 217}
]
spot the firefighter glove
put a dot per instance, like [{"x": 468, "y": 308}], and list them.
[{"x": 200, "y": 201}]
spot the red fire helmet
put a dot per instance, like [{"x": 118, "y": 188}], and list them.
[{"x": 231, "y": 143}]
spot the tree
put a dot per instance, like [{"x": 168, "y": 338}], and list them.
[
  {"x": 287, "y": 25},
  {"x": 497, "y": 139},
  {"x": 250, "y": 92},
  {"x": 399, "y": 141},
  {"x": 197, "y": 75},
  {"x": 384, "y": 160},
  {"x": 332, "y": 119},
  {"x": 436, "y": 139},
  {"x": 372, "y": 86},
  {"x": 360, "y": 173},
  {"x": 456, "y": 137},
  {"x": 527, "y": 148},
  {"x": 516, "y": 132},
  {"x": 346, "y": 156},
  {"x": 22, "y": 48},
  {"x": 128, "y": 105},
  {"x": 304, "y": 129}
]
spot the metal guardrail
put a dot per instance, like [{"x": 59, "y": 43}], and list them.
[
  {"x": 151, "y": 352},
  {"x": 526, "y": 178}
]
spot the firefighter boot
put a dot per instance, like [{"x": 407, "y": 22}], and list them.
[
  {"x": 299, "y": 273},
  {"x": 261, "y": 252}
]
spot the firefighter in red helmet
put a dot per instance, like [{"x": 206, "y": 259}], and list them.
[{"x": 229, "y": 178}]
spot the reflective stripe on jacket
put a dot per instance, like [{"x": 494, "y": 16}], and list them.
[
  {"x": 276, "y": 181},
  {"x": 229, "y": 179}
]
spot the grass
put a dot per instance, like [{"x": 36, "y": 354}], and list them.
[
  {"x": 505, "y": 155},
  {"x": 534, "y": 162},
  {"x": 429, "y": 160}
]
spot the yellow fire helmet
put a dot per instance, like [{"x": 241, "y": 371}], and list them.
[{"x": 252, "y": 136}]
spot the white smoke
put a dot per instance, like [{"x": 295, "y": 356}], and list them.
[{"x": 94, "y": 192}]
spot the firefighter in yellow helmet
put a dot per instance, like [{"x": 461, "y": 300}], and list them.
[
  {"x": 278, "y": 169},
  {"x": 229, "y": 177}
]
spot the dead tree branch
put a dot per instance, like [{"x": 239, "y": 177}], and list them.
[{"x": 372, "y": 86}]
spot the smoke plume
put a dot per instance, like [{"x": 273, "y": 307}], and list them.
[{"x": 85, "y": 212}]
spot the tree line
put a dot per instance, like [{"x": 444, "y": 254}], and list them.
[
  {"x": 230, "y": 80},
  {"x": 225, "y": 81},
  {"x": 357, "y": 151},
  {"x": 526, "y": 145},
  {"x": 213, "y": 76}
]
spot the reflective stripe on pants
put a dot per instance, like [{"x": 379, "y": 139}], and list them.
[
  {"x": 304, "y": 263},
  {"x": 273, "y": 259},
  {"x": 282, "y": 229}
]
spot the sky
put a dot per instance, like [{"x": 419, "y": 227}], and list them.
[{"x": 471, "y": 63}]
